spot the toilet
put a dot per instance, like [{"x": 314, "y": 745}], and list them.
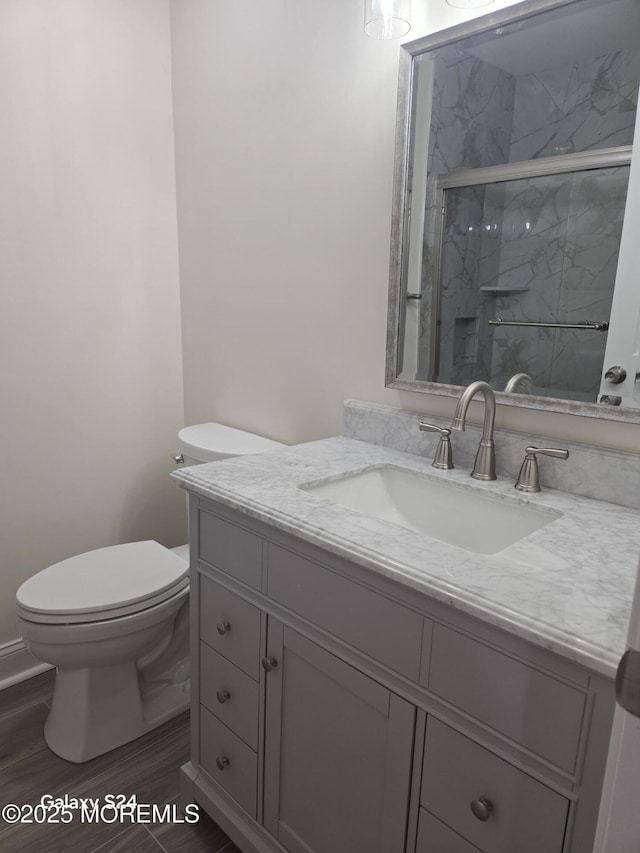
[{"x": 115, "y": 624}]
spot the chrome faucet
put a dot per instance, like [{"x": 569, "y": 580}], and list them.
[
  {"x": 520, "y": 381},
  {"x": 484, "y": 468}
]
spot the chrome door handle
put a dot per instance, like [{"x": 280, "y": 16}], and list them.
[{"x": 615, "y": 374}]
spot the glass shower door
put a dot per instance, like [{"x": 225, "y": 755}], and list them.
[{"x": 526, "y": 279}]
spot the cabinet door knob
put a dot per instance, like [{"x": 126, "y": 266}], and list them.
[
  {"x": 223, "y": 627},
  {"x": 482, "y": 808},
  {"x": 269, "y": 663},
  {"x": 222, "y": 761},
  {"x": 222, "y": 695}
]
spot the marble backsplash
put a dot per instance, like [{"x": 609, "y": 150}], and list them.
[{"x": 592, "y": 472}]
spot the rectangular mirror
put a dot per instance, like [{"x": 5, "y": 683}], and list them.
[{"x": 514, "y": 178}]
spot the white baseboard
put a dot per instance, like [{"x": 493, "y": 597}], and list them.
[{"x": 18, "y": 664}]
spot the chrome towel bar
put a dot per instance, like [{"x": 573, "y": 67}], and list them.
[{"x": 593, "y": 325}]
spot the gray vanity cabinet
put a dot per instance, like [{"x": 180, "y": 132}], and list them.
[
  {"x": 338, "y": 751},
  {"x": 338, "y": 711}
]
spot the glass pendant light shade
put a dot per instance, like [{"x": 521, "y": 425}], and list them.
[
  {"x": 468, "y": 4},
  {"x": 387, "y": 19}
]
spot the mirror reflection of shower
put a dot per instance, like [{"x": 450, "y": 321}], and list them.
[
  {"x": 521, "y": 153},
  {"x": 526, "y": 278}
]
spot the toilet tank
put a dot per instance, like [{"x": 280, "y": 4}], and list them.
[{"x": 211, "y": 441}]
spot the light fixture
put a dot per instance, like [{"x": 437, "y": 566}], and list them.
[
  {"x": 387, "y": 19},
  {"x": 468, "y": 4}
]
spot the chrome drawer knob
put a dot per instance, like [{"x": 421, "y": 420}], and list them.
[
  {"x": 223, "y": 695},
  {"x": 223, "y": 627},
  {"x": 222, "y": 761},
  {"x": 482, "y": 808},
  {"x": 269, "y": 663}
]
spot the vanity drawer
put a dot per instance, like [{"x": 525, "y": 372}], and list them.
[
  {"x": 527, "y": 817},
  {"x": 377, "y": 626},
  {"x": 229, "y": 694},
  {"x": 535, "y": 709},
  {"x": 435, "y": 837},
  {"x": 230, "y": 625},
  {"x": 238, "y": 768},
  {"x": 230, "y": 549}
]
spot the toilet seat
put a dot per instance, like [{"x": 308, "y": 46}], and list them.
[{"x": 104, "y": 584}]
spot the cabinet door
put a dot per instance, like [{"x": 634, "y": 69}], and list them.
[{"x": 338, "y": 751}]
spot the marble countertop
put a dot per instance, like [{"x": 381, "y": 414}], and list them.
[{"x": 567, "y": 587}]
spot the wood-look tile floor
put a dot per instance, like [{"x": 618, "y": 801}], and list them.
[{"x": 148, "y": 767}]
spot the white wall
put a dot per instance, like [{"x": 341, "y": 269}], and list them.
[
  {"x": 284, "y": 128},
  {"x": 90, "y": 385}
]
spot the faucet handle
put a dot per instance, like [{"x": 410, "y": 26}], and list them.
[
  {"x": 425, "y": 427},
  {"x": 444, "y": 457},
  {"x": 528, "y": 479}
]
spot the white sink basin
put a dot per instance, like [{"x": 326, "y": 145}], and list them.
[{"x": 450, "y": 512}]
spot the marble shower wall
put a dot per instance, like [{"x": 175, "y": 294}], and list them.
[
  {"x": 582, "y": 107},
  {"x": 471, "y": 114},
  {"x": 540, "y": 249}
]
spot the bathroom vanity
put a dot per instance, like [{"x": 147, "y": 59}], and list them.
[{"x": 361, "y": 686}]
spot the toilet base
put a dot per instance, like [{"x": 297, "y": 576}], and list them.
[{"x": 98, "y": 709}]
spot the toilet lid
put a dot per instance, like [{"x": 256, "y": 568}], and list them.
[
  {"x": 212, "y": 441},
  {"x": 101, "y": 583}
]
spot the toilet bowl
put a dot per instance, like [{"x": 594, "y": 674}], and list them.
[{"x": 115, "y": 624}]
